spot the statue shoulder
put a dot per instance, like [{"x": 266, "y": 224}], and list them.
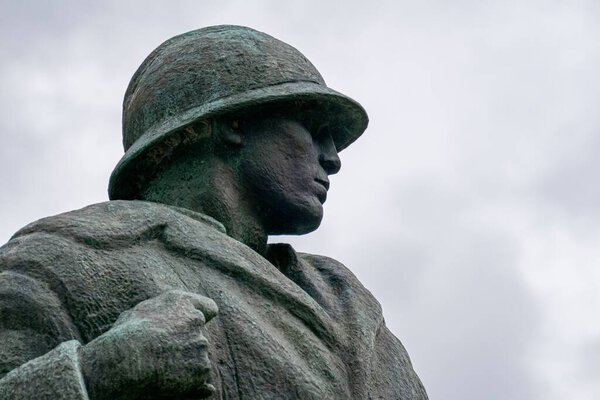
[
  {"x": 112, "y": 224},
  {"x": 39, "y": 248},
  {"x": 58, "y": 244},
  {"x": 111, "y": 218},
  {"x": 101, "y": 259},
  {"x": 342, "y": 281},
  {"x": 329, "y": 266}
]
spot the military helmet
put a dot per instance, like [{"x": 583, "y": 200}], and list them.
[{"x": 213, "y": 71}]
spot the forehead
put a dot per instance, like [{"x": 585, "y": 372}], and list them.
[{"x": 310, "y": 115}]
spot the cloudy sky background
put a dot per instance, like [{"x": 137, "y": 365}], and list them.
[{"x": 470, "y": 207}]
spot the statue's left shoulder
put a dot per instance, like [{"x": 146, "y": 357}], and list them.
[
  {"x": 336, "y": 272},
  {"x": 344, "y": 290}
]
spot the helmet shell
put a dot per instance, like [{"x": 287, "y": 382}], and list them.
[{"x": 214, "y": 71}]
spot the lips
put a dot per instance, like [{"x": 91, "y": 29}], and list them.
[
  {"x": 323, "y": 182},
  {"x": 323, "y": 185}
]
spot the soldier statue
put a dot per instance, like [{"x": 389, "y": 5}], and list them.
[{"x": 170, "y": 290}]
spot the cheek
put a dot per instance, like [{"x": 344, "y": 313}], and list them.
[
  {"x": 300, "y": 172},
  {"x": 282, "y": 165},
  {"x": 300, "y": 158},
  {"x": 286, "y": 163},
  {"x": 263, "y": 176}
]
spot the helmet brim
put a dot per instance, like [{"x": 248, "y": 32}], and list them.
[{"x": 346, "y": 119}]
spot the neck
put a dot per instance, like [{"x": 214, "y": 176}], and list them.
[
  {"x": 213, "y": 192},
  {"x": 224, "y": 202}
]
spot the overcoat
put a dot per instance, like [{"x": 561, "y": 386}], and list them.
[{"x": 290, "y": 326}]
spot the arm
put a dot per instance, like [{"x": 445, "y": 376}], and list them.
[
  {"x": 55, "y": 375},
  {"x": 34, "y": 326},
  {"x": 154, "y": 350}
]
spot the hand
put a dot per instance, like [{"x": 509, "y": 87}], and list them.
[{"x": 156, "y": 350}]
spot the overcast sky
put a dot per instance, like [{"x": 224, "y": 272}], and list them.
[{"x": 470, "y": 207}]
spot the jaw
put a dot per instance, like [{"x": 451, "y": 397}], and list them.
[{"x": 296, "y": 221}]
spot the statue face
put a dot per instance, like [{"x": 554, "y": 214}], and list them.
[{"x": 284, "y": 168}]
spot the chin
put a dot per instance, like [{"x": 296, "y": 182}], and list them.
[
  {"x": 307, "y": 227},
  {"x": 299, "y": 222}
]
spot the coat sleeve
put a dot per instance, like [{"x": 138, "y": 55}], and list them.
[{"x": 38, "y": 343}]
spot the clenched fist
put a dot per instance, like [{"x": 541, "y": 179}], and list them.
[{"x": 156, "y": 350}]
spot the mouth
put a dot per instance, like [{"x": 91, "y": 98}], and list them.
[
  {"x": 322, "y": 193},
  {"x": 323, "y": 182}
]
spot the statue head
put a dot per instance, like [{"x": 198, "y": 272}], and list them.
[{"x": 261, "y": 98}]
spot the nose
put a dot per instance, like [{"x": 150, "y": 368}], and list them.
[{"x": 328, "y": 155}]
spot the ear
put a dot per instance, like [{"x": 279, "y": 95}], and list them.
[{"x": 229, "y": 132}]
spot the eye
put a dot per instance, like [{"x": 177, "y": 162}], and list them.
[
  {"x": 315, "y": 126},
  {"x": 321, "y": 129}
]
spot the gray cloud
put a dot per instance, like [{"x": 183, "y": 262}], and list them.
[{"x": 468, "y": 208}]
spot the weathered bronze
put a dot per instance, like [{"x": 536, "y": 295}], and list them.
[{"x": 169, "y": 290}]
